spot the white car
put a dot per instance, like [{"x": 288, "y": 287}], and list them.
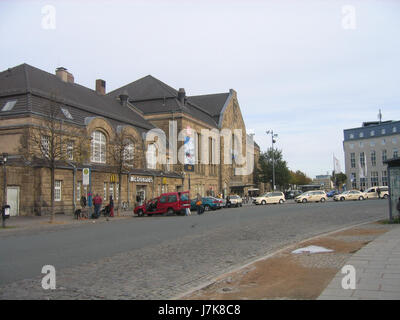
[
  {"x": 372, "y": 192},
  {"x": 270, "y": 197},
  {"x": 234, "y": 201},
  {"x": 312, "y": 196},
  {"x": 350, "y": 195}
]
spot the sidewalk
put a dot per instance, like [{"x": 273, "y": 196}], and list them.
[
  {"x": 377, "y": 272},
  {"x": 24, "y": 223}
]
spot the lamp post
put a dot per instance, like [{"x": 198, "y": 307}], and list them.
[
  {"x": 5, "y": 156},
  {"x": 271, "y": 132}
]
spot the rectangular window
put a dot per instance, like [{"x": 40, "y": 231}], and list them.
[
  {"x": 395, "y": 153},
  {"x": 57, "y": 190},
  {"x": 384, "y": 155},
  {"x": 374, "y": 178},
  {"x": 384, "y": 178},
  {"x": 78, "y": 191},
  {"x": 353, "y": 160},
  {"x": 70, "y": 150},
  {"x": 116, "y": 191},
  {"x": 45, "y": 145},
  {"x": 362, "y": 159},
  {"x": 112, "y": 190},
  {"x": 105, "y": 191},
  {"x": 373, "y": 158}
]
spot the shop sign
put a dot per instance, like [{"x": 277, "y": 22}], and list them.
[{"x": 141, "y": 179}]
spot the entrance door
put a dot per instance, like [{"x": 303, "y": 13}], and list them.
[
  {"x": 140, "y": 194},
  {"x": 13, "y": 200}
]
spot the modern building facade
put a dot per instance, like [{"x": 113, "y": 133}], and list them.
[
  {"x": 107, "y": 133},
  {"x": 366, "y": 148}
]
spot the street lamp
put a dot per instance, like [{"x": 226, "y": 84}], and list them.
[
  {"x": 273, "y": 136},
  {"x": 4, "y": 159}
]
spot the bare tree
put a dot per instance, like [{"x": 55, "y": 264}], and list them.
[
  {"x": 122, "y": 149},
  {"x": 54, "y": 142}
]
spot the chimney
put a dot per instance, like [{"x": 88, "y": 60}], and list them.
[
  {"x": 101, "y": 87},
  {"x": 123, "y": 97},
  {"x": 63, "y": 74},
  {"x": 182, "y": 95}
]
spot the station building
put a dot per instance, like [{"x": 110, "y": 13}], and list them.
[{"x": 89, "y": 128}]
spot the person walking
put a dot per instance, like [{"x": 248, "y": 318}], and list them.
[
  {"x": 199, "y": 206},
  {"x": 97, "y": 201},
  {"x": 111, "y": 204},
  {"x": 398, "y": 208},
  {"x": 378, "y": 191}
]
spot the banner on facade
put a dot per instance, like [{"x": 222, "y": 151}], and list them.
[{"x": 85, "y": 176}]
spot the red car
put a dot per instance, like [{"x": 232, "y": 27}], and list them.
[{"x": 166, "y": 203}]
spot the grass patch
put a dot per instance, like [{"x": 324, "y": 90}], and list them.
[{"x": 394, "y": 221}]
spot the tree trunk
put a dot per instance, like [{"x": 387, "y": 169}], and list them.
[
  {"x": 52, "y": 183},
  {"x": 119, "y": 193}
]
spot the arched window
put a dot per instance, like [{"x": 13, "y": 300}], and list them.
[
  {"x": 98, "y": 147},
  {"x": 151, "y": 156},
  {"x": 129, "y": 151}
]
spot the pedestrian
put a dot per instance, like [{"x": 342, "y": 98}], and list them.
[
  {"x": 378, "y": 191},
  {"x": 97, "y": 201},
  {"x": 111, "y": 206},
  {"x": 199, "y": 206},
  {"x": 83, "y": 207},
  {"x": 398, "y": 208}
]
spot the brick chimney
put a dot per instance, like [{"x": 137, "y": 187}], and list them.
[
  {"x": 182, "y": 95},
  {"x": 101, "y": 87},
  {"x": 63, "y": 74}
]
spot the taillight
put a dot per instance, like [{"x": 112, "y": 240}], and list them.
[{"x": 215, "y": 201}]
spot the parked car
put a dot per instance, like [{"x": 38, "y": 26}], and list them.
[
  {"x": 270, "y": 197},
  {"x": 291, "y": 194},
  {"x": 331, "y": 193},
  {"x": 167, "y": 203},
  {"x": 371, "y": 193},
  {"x": 350, "y": 195},
  {"x": 234, "y": 201},
  {"x": 209, "y": 203},
  {"x": 312, "y": 196}
]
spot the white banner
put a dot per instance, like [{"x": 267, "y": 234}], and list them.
[{"x": 85, "y": 176}]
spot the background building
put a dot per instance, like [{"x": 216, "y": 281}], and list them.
[
  {"x": 365, "y": 150},
  {"x": 324, "y": 181}
]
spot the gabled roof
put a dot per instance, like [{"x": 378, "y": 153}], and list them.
[
  {"x": 153, "y": 96},
  {"x": 146, "y": 88},
  {"x": 82, "y": 101}
]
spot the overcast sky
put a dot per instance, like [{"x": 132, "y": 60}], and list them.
[{"x": 306, "y": 69}]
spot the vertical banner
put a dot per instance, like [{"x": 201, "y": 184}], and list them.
[
  {"x": 85, "y": 176},
  {"x": 189, "y": 149}
]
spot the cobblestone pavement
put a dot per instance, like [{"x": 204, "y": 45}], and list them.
[{"x": 173, "y": 266}]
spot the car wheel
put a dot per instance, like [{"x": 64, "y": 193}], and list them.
[
  {"x": 361, "y": 198},
  {"x": 281, "y": 201},
  {"x": 304, "y": 200},
  {"x": 206, "y": 207},
  {"x": 341, "y": 198},
  {"x": 170, "y": 212},
  {"x": 385, "y": 196},
  {"x": 140, "y": 213},
  {"x": 322, "y": 200},
  {"x": 263, "y": 202}
]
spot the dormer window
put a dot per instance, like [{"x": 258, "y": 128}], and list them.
[
  {"x": 361, "y": 134},
  {"x": 66, "y": 113},
  {"x": 9, "y": 105}
]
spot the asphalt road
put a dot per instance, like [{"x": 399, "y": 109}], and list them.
[{"x": 161, "y": 257}]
